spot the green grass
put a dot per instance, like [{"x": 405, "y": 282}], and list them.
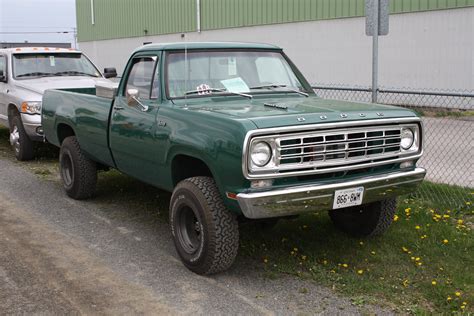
[
  {"x": 396, "y": 269},
  {"x": 369, "y": 271}
]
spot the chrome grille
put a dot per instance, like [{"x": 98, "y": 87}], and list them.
[{"x": 331, "y": 148}]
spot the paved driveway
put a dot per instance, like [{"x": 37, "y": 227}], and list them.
[{"x": 449, "y": 150}]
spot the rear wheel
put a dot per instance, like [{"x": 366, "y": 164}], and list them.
[
  {"x": 365, "y": 220},
  {"x": 205, "y": 232},
  {"x": 78, "y": 172},
  {"x": 21, "y": 143}
]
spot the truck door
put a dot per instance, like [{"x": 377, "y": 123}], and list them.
[
  {"x": 134, "y": 120},
  {"x": 3, "y": 89}
]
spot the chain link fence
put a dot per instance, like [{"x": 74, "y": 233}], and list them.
[{"x": 448, "y": 120}]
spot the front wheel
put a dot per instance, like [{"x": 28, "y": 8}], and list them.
[
  {"x": 21, "y": 143},
  {"x": 78, "y": 172},
  {"x": 365, "y": 220},
  {"x": 205, "y": 232}
]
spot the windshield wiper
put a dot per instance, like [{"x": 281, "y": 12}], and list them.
[
  {"x": 275, "y": 85},
  {"x": 74, "y": 73},
  {"x": 218, "y": 90},
  {"x": 35, "y": 74}
]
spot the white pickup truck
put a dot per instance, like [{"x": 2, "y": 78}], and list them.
[{"x": 25, "y": 73}]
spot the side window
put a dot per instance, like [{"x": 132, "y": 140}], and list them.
[
  {"x": 141, "y": 76},
  {"x": 155, "y": 87},
  {"x": 3, "y": 65}
]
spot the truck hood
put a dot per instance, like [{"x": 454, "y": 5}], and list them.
[
  {"x": 300, "y": 111},
  {"x": 39, "y": 85}
]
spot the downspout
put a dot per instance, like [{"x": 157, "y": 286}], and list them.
[
  {"x": 198, "y": 15},
  {"x": 92, "y": 13}
]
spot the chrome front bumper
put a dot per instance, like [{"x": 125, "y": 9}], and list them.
[{"x": 301, "y": 199}]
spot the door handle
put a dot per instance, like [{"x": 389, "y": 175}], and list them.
[{"x": 118, "y": 108}]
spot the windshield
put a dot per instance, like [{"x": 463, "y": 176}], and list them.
[
  {"x": 52, "y": 64},
  {"x": 230, "y": 72}
]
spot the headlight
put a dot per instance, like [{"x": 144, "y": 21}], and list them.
[
  {"x": 261, "y": 153},
  {"x": 407, "y": 138},
  {"x": 31, "y": 107}
]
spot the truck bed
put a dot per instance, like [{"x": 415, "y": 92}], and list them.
[{"x": 85, "y": 113}]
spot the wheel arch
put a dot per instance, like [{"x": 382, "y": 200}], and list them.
[
  {"x": 12, "y": 110},
  {"x": 64, "y": 130},
  {"x": 185, "y": 166}
]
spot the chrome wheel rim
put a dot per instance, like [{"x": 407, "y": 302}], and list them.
[
  {"x": 15, "y": 138},
  {"x": 67, "y": 170}
]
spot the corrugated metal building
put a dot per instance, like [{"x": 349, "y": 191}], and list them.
[{"x": 430, "y": 44}]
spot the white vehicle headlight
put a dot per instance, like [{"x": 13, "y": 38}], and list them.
[
  {"x": 31, "y": 107},
  {"x": 407, "y": 138},
  {"x": 260, "y": 153}
]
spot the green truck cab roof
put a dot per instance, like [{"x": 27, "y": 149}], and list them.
[{"x": 206, "y": 45}]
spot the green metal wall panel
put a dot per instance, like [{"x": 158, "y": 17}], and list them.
[
  {"x": 125, "y": 18},
  {"x": 129, "y": 18}
]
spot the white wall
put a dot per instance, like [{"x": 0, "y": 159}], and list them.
[{"x": 427, "y": 50}]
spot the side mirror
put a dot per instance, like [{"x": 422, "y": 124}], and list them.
[
  {"x": 133, "y": 96},
  {"x": 110, "y": 72},
  {"x": 3, "y": 78}
]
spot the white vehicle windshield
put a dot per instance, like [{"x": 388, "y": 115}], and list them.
[
  {"x": 234, "y": 72},
  {"x": 52, "y": 64}
]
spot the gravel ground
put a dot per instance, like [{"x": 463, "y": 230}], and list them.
[{"x": 60, "y": 256}]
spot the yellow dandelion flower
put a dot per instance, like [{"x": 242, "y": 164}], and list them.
[
  {"x": 360, "y": 271},
  {"x": 417, "y": 259},
  {"x": 464, "y": 303},
  {"x": 468, "y": 203},
  {"x": 445, "y": 241},
  {"x": 395, "y": 218},
  {"x": 361, "y": 243},
  {"x": 446, "y": 216},
  {"x": 372, "y": 252},
  {"x": 417, "y": 227},
  {"x": 406, "y": 283},
  {"x": 419, "y": 263},
  {"x": 295, "y": 249},
  {"x": 433, "y": 282},
  {"x": 292, "y": 253},
  {"x": 408, "y": 209},
  {"x": 345, "y": 265},
  {"x": 449, "y": 298},
  {"x": 460, "y": 221},
  {"x": 325, "y": 262},
  {"x": 457, "y": 293},
  {"x": 463, "y": 306},
  {"x": 405, "y": 249},
  {"x": 303, "y": 257}
]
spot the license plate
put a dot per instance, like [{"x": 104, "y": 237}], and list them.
[{"x": 348, "y": 197}]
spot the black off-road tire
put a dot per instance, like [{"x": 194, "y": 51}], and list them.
[
  {"x": 365, "y": 220},
  {"x": 78, "y": 172},
  {"x": 205, "y": 232},
  {"x": 24, "y": 147}
]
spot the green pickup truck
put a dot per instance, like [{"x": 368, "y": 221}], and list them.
[{"x": 235, "y": 131}]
